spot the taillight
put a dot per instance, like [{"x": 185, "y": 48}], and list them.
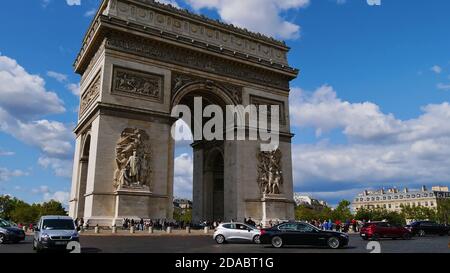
[{"x": 262, "y": 232}]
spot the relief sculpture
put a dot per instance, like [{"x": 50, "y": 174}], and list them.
[{"x": 133, "y": 160}]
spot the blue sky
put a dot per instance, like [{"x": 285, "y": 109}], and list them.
[{"x": 369, "y": 109}]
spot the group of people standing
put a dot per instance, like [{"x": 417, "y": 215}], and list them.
[{"x": 337, "y": 225}]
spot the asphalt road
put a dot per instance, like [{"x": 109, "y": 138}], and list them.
[{"x": 205, "y": 244}]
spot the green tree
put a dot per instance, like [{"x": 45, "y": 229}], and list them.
[
  {"x": 52, "y": 208},
  {"x": 305, "y": 213},
  {"x": 418, "y": 213},
  {"x": 6, "y": 206},
  {"x": 342, "y": 211},
  {"x": 443, "y": 211}
]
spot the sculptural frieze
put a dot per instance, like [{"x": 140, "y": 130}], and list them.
[
  {"x": 270, "y": 175},
  {"x": 91, "y": 93},
  {"x": 137, "y": 83},
  {"x": 133, "y": 158},
  {"x": 181, "y": 80}
]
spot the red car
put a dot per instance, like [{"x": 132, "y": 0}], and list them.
[{"x": 378, "y": 230}]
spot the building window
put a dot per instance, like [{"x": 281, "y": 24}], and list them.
[
  {"x": 426, "y": 204},
  {"x": 389, "y": 197},
  {"x": 396, "y": 197},
  {"x": 408, "y": 196},
  {"x": 418, "y": 196},
  {"x": 390, "y": 206},
  {"x": 401, "y": 196},
  {"x": 425, "y": 195},
  {"x": 431, "y": 204},
  {"x": 384, "y": 197},
  {"x": 413, "y": 196},
  {"x": 378, "y": 198},
  {"x": 373, "y": 198}
]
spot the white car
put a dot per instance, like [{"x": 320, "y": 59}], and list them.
[
  {"x": 54, "y": 232},
  {"x": 228, "y": 232}
]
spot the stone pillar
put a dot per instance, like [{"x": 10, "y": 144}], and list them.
[
  {"x": 150, "y": 230},
  {"x": 132, "y": 230},
  {"x": 114, "y": 229},
  {"x": 206, "y": 230},
  {"x": 169, "y": 230},
  {"x": 188, "y": 229}
]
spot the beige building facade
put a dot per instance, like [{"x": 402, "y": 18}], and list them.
[
  {"x": 393, "y": 199},
  {"x": 138, "y": 60}
]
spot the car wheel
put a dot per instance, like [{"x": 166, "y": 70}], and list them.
[
  {"x": 220, "y": 239},
  {"x": 422, "y": 233},
  {"x": 406, "y": 236},
  {"x": 256, "y": 239},
  {"x": 277, "y": 242},
  {"x": 334, "y": 243},
  {"x": 2, "y": 239},
  {"x": 375, "y": 237}
]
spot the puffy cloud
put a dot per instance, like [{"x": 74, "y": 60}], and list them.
[
  {"x": 57, "y": 76},
  {"x": 41, "y": 189},
  {"x": 60, "y": 196},
  {"x": 263, "y": 16},
  {"x": 74, "y": 88},
  {"x": 90, "y": 13},
  {"x": 436, "y": 69},
  {"x": 61, "y": 167},
  {"x": 6, "y": 174},
  {"x": 6, "y": 153},
  {"x": 73, "y": 2},
  {"x": 169, "y": 2},
  {"x": 442, "y": 86},
  {"x": 183, "y": 176},
  {"x": 24, "y": 95},
  {"x": 380, "y": 149},
  {"x": 23, "y": 101}
]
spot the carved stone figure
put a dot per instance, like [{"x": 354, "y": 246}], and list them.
[
  {"x": 270, "y": 175},
  {"x": 132, "y": 160}
]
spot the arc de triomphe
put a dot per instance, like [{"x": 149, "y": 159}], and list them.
[{"x": 138, "y": 60}]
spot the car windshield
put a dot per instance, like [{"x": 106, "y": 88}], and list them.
[
  {"x": 58, "y": 224},
  {"x": 5, "y": 224}
]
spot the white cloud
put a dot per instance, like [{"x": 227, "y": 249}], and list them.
[
  {"x": 23, "y": 94},
  {"x": 380, "y": 149},
  {"x": 74, "y": 88},
  {"x": 23, "y": 101},
  {"x": 436, "y": 69},
  {"x": 60, "y": 196},
  {"x": 183, "y": 176},
  {"x": 41, "y": 189},
  {"x": 6, "y": 153},
  {"x": 263, "y": 16},
  {"x": 442, "y": 86},
  {"x": 61, "y": 167},
  {"x": 90, "y": 13},
  {"x": 57, "y": 76},
  {"x": 73, "y": 2},
  {"x": 169, "y": 2},
  {"x": 6, "y": 174}
]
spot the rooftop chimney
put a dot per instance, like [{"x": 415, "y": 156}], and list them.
[{"x": 424, "y": 188}]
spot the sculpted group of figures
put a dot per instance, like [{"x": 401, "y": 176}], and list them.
[
  {"x": 270, "y": 176},
  {"x": 132, "y": 159}
]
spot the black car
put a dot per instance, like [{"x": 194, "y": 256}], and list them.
[
  {"x": 299, "y": 233},
  {"x": 10, "y": 233},
  {"x": 422, "y": 228}
]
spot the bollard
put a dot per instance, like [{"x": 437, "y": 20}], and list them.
[
  {"x": 96, "y": 229},
  {"x": 132, "y": 230},
  {"x": 188, "y": 229},
  {"x": 169, "y": 230},
  {"x": 114, "y": 229},
  {"x": 206, "y": 230},
  {"x": 150, "y": 230}
]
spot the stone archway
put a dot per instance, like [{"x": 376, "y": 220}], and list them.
[{"x": 140, "y": 58}]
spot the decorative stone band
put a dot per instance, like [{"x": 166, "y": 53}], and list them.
[
  {"x": 137, "y": 84},
  {"x": 196, "y": 60},
  {"x": 180, "y": 80},
  {"x": 182, "y": 22},
  {"x": 91, "y": 94}
]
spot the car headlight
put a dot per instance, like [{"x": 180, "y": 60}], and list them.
[{"x": 45, "y": 237}]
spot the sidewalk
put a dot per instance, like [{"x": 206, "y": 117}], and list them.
[{"x": 120, "y": 232}]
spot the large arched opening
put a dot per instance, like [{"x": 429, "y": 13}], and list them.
[{"x": 206, "y": 156}]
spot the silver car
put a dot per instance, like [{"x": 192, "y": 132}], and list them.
[
  {"x": 54, "y": 232},
  {"x": 228, "y": 232}
]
